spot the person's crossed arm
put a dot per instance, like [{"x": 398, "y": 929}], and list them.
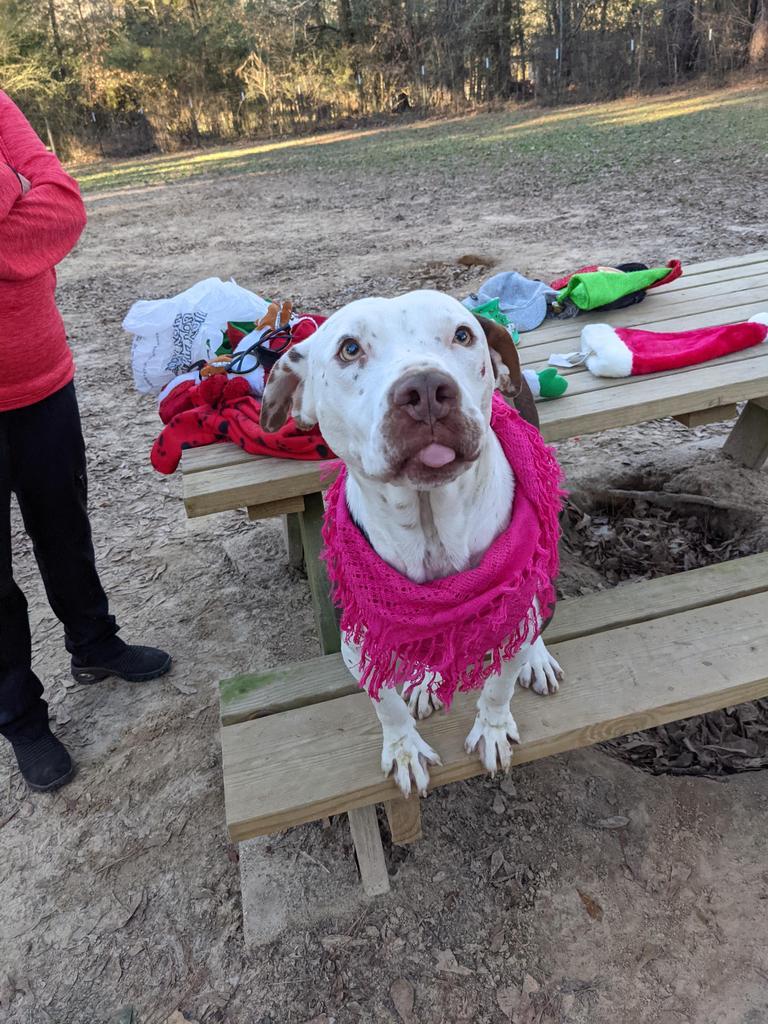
[
  {"x": 24, "y": 183},
  {"x": 41, "y": 212}
]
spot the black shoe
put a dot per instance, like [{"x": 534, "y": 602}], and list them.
[
  {"x": 135, "y": 664},
  {"x": 45, "y": 763}
]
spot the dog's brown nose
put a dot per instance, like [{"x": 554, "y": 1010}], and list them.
[{"x": 426, "y": 396}]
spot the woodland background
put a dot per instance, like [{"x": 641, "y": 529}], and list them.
[{"x": 110, "y": 78}]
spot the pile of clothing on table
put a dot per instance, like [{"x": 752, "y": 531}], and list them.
[
  {"x": 207, "y": 352},
  {"x": 524, "y": 304},
  {"x": 605, "y": 350}
]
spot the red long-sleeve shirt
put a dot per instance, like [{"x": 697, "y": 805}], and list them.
[{"x": 37, "y": 230}]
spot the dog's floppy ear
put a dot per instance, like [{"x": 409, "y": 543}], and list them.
[
  {"x": 506, "y": 364},
  {"x": 287, "y": 391}
]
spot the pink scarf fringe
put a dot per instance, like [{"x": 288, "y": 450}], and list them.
[{"x": 451, "y": 626}]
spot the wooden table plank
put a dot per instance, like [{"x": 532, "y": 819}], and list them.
[
  {"x": 574, "y": 373},
  {"x": 404, "y": 818},
  {"x": 703, "y": 417},
  {"x": 630, "y": 603},
  {"x": 715, "y": 272},
  {"x": 364, "y": 827},
  {"x": 643, "y": 399},
  {"x": 321, "y": 760},
  {"x": 270, "y": 509},
  {"x": 259, "y": 694},
  {"x": 724, "y": 262},
  {"x": 255, "y": 482},
  {"x": 311, "y": 526},
  {"x": 580, "y": 379},
  {"x": 214, "y": 456},
  {"x": 736, "y": 278}
]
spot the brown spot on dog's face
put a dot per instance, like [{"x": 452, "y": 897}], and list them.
[
  {"x": 504, "y": 357},
  {"x": 286, "y": 394}
]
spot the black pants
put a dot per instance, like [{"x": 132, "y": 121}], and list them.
[{"x": 42, "y": 460}]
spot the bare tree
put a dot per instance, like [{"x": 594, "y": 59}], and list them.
[
  {"x": 128, "y": 74},
  {"x": 758, "y": 40}
]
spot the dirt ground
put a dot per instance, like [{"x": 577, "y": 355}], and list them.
[{"x": 576, "y": 890}]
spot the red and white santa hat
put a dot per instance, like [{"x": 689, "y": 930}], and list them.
[{"x": 624, "y": 352}]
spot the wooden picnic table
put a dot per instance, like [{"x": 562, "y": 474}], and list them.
[
  {"x": 698, "y": 639},
  {"x": 221, "y": 477}
]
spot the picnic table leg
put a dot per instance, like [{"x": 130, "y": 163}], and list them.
[
  {"x": 748, "y": 441},
  {"x": 292, "y": 535},
  {"x": 404, "y": 817},
  {"x": 701, "y": 417},
  {"x": 311, "y": 524},
  {"x": 364, "y": 827}
]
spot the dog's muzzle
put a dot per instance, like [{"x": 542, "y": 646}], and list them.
[{"x": 428, "y": 437}]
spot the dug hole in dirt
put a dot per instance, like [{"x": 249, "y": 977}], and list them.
[{"x": 655, "y": 521}]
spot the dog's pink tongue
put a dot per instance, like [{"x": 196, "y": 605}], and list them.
[{"x": 437, "y": 455}]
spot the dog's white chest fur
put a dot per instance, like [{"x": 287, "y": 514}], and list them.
[{"x": 423, "y": 534}]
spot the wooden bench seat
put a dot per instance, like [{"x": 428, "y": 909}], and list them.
[{"x": 301, "y": 743}]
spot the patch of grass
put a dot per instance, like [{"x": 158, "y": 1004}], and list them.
[{"x": 575, "y": 142}]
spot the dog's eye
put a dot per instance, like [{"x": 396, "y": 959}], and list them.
[
  {"x": 350, "y": 349},
  {"x": 463, "y": 336}
]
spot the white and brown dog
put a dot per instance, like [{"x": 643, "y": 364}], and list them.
[{"x": 401, "y": 389}]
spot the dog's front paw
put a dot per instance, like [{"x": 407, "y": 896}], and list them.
[
  {"x": 492, "y": 737},
  {"x": 421, "y": 702},
  {"x": 540, "y": 672},
  {"x": 407, "y": 756}
]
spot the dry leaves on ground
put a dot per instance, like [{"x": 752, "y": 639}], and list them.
[
  {"x": 403, "y": 996},
  {"x": 591, "y": 906}
]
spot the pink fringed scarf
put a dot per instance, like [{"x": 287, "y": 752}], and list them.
[{"x": 448, "y": 626}]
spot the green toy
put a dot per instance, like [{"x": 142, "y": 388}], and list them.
[
  {"x": 547, "y": 383},
  {"x": 492, "y": 311},
  {"x": 551, "y": 383}
]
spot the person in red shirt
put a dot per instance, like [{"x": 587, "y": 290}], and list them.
[{"x": 42, "y": 456}]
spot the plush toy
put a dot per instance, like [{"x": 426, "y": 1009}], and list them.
[
  {"x": 219, "y": 364},
  {"x": 276, "y": 316},
  {"x": 546, "y": 383}
]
